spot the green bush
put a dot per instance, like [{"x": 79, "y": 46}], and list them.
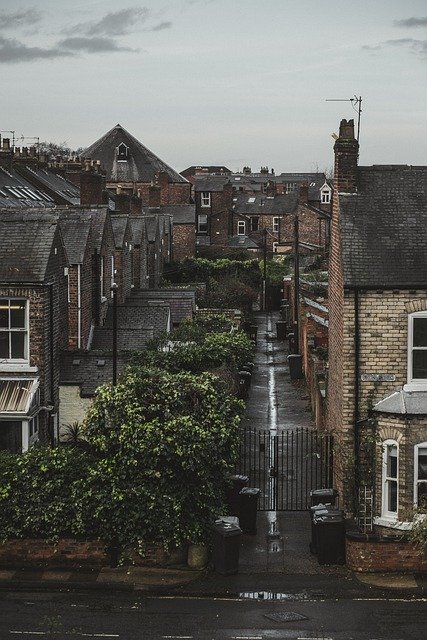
[
  {"x": 217, "y": 350},
  {"x": 165, "y": 442},
  {"x": 36, "y": 492}
]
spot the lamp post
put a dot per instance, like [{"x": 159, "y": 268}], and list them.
[
  {"x": 113, "y": 290},
  {"x": 264, "y": 270},
  {"x": 296, "y": 284}
]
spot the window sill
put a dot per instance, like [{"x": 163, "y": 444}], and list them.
[
  {"x": 415, "y": 386},
  {"x": 21, "y": 367},
  {"x": 392, "y": 523}
]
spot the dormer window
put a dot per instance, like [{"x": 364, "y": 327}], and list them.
[
  {"x": 325, "y": 194},
  {"x": 122, "y": 152}
]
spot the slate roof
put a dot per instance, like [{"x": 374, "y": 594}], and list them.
[
  {"x": 89, "y": 369},
  {"x": 138, "y": 225},
  {"x": 75, "y": 228},
  {"x": 254, "y": 181},
  {"x": 181, "y": 301},
  {"x": 403, "y": 402},
  {"x": 26, "y": 242},
  {"x": 65, "y": 192},
  {"x": 142, "y": 165},
  {"x": 243, "y": 242},
  {"x": 384, "y": 228},
  {"x": 99, "y": 217},
  {"x": 181, "y": 213},
  {"x": 260, "y": 204},
  {"x": 18, "y": 193},
  {"x": 128, "y": 338},
  {"x": 137, "y": 314},
  {"x": 119, "y": 224}
]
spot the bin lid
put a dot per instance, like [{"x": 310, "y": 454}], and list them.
[
  {"x": 238, "y": 478},
  {"x": 327, "y": 493},
  {"x": 227, "y": 520},
  {"x": 331, "y": 517},
  {"x": 322, "y": 508},
  {"x": 226, "y": 529},
  {"x": 250, "y": 491}
]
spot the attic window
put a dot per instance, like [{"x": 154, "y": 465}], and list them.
[
  {"x": 76, "y": 362},
  {"x": 100, "y": 363},
  {"x": 251, "y": 200},
  {"x": 122, "y": 152}
]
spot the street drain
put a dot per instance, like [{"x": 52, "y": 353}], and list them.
[
  {"x": 271, "y": 595},
  {"x": 288, "y": 616}
]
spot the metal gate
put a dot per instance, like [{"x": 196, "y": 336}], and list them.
[{"x": 286, "y": 465}]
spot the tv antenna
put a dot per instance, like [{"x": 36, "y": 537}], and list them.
[
  {"x": 356, "y": 103},
  {"x": 13, "y": 135}
]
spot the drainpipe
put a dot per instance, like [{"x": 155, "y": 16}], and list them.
[
  {"x": 296, "y": 284},
  {"x": 79, "y": 308},
  {"x": 356, "y": 390},
  {"x": 52, "y": 364}
]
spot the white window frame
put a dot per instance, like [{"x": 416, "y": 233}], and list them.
[
  {"x": 276, "y": 224},
  {"x": 253, "y": 218},
  {"x": 325, "y": 196},
  {"x": 417, "y": 481},
  {"x": 386, "y": 480},
  {"x": 201, "y": 223},
  {"x": 205, "y": 199},
  {"x": 241, "y": 228},
  {"x": 25, "y": 330},
  {"x": 275, "y": 245},
  {"x": 414, "y": 384},
  {"x": 113, "y": 274}
]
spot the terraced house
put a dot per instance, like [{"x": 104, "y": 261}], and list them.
[{"x": 377, "y": 386}]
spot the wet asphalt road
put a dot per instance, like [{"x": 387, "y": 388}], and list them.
[{"x": 132, "y": 617}]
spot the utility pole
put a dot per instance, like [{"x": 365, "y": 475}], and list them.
[
  {"x": 113, "y": 290},
  {"x": 296, "y": 284},
  {"x": 264, "y": 275}
]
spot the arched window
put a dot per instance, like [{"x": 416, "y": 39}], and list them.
[
  {"x": 390, "y": 480},
  {"x": 420, "y": 474},
  {"x": 122, "y": 151}
]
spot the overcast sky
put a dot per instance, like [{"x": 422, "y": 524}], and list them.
[{"x": 233, "y": 82}]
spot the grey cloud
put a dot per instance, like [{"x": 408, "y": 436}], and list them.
[
  {"x": 417, "y": 46},
  {"x": 92, "y": 45},
  {"x": 19, "y": 18},
  {"x": 113, "y": 24},
  {"x": 161, "y": 26},
  {"x": 411, "y": 22},
  {"x": 12, "y": 51}
]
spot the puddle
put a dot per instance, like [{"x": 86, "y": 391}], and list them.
[{"x": 271, "y": 595}]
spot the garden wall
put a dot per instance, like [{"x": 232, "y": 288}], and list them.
[
  {"x": 369, "y": 552},
  {"x": 73, "y": 553}
]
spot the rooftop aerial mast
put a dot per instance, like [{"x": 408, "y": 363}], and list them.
[{"x": 356, "y": 103}]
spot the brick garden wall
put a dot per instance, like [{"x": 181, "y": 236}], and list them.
[
  {"x": 369, "y": 553},
  {"x": 73, "y": 553}
]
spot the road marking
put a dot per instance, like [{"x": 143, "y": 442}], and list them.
[{"x": 84, "y": 635}]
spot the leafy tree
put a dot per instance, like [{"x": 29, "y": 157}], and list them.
[{"x": 164, "y": 443}]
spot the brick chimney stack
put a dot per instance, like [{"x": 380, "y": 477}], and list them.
[
  {"x": 154, "y": 193},
  {"x": 6, "y": 153},
  {"x": 92, "y": 184},
  {"x": 303, "y": 193},
  {"x": 346, "y": 150}
]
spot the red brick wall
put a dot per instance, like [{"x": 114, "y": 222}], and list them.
[
  {"x": 386, "y": 555},
  {"x": 170, "y": 193},
  {"x": 184, "y": 241},
  {"x": 72, "y": 553}
]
